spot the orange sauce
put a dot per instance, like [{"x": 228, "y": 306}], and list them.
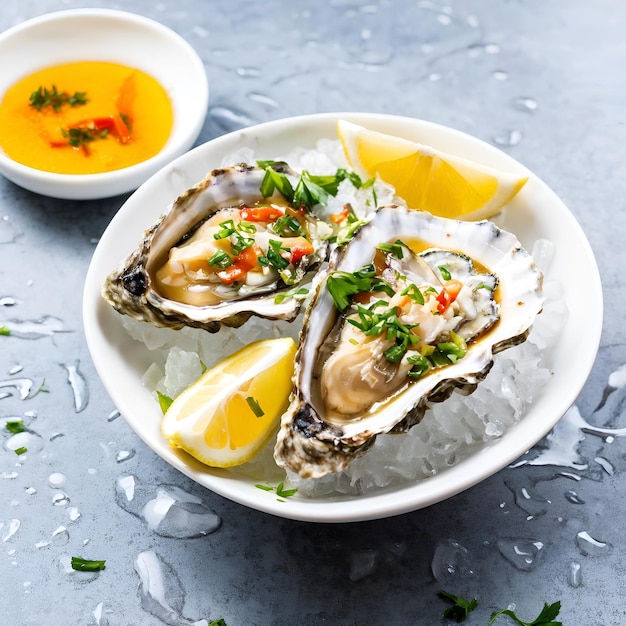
[{"x": 39, "y": 138}]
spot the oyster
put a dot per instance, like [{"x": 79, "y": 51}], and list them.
[
  {"x": 221, "y": 253},
  {"x": 412, "y": 308}
]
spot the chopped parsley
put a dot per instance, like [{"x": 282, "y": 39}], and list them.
[
  {"x": 84, "y": 565},
  {"x": 280, "y": 490},
  {"x": 44, "y": 97},
  {"x": 15, "y": 426},
  {"x": 343, "y": 285}
]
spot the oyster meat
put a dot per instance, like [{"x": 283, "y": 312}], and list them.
[
  {"x": 221, "y": 253},
  {"x": 414, "y": 307}
]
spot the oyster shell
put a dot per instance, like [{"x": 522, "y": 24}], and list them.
[
  {"x": 484, "y": 290},
  {"x": 192, "y": 266}
]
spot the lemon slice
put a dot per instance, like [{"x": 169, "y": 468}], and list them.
[
  {"x": 226, "y": 416},
  {"x": 426, "y": 178}
]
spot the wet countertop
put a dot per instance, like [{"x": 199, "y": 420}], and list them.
[{"x": 541, "y": 81}]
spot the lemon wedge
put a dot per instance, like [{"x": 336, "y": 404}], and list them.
[
  {"x": 225, "y": 417},
  {"x": 426, "y": 178}
]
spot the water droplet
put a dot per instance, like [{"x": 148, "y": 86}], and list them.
[
  {"x": 124, "y": 455},
  {"x": 530, "y": 502},
  {"x": 472, "y": 21},
  {"x": 57, "y": 480},
  {"x": 60, "y": 499},
  {"x": 8, "y": 529},
  {"x": 8, "y": 233},
  {"x": 512, "y": 138},
  {"x": 160, "y": 589},
  {"x": 492, "y": 48},
  {"x": 56, "y": 436},
  {"x": 444, "y": 19},
  {"x": 573, "y": 497},
  {"x": 521, "y": 553},
  {"x": 500, "y": 75},
  {"x": 22, "y": 386},
  {"x": 27, "y": 439},
  {"x": 606, "y": 465},
  {"x": 363, "y": 563},
  {"x": 525, "y": 104},
  {"x": 79, "y": 386},
  {"x": 248, "y": 72},
  {"x": 167, "y": 510},
  {"x": 92, "y": 471},
  {"x": 230, "y": 119},
  {"x": 30, "y": 490},
  {"x": 16, "y": 369},
  {"x": 8, "y": 301},
  {"x": 36, "y": 329},
  {"x": 73, "y": 513},
  {"x": 450, "y": 561},
  {"x": 263, "y": 99},
  {"x": 60, "y": 536},
  {"x": 434, "y": 77},
  {"x": 9, "y": 475},
  {"x": 575, "y": 578},
  {"x": 201, "y": 32},
  {"x": 590, "y": 546},
  {"x": 113, "y": 415}
]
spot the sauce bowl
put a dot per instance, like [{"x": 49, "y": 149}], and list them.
[{"x": 118, "y": 37}]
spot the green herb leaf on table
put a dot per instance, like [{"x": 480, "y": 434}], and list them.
[
  {"x": 545, "y": 618},
  {"x": 15, "y": 426},
  {"x": 164, "y": 401},
  {"x": 460, "y": 608}
]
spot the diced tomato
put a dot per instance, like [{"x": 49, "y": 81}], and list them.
[
  {"x": 241, "y": 265},
  {"x": 260, "y": 214},
  {"x": 300, "y": 249},
  {"x": 448, "y": 295},
  {"x": 342, "y": 216},
  {"x": 114, "y": 123}
]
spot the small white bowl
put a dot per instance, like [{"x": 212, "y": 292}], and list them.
[{"x": 117, "y": 37}]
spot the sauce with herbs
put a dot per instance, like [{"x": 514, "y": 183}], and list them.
[{"x": 85, "y": 117}]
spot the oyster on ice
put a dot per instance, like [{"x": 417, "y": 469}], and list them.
[
  {"x": 221, "y": 253},
  {"x": 412, "y": 308}
]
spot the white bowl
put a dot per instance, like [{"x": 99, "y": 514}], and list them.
[
  {"x": 535, "y": 213},
  {"x": 118, "y": 37}
]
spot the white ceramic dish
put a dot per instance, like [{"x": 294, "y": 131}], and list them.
[
  {"x": 118, "y": 37},
  {"x": 535, "y": 213}
]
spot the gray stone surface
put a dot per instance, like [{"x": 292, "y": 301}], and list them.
[{"x": 542, "y": 80}]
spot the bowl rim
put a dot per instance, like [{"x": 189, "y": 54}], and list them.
[
  {"x": 124, "y": 178},
  {"x": 397, "y": 499}
]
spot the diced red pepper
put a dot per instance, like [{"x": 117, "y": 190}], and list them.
[
  {"x": 260, "y": 214},
  {"x": 242, "y": 264},
  {"x": 448, "y": 295},
  {"x": 114, "y": 123}
]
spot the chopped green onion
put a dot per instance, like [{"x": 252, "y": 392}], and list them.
[
  {"x": 393, "y": 248},
  {"x": 273, "y": 258},
  {"x": 288, "y": 226},
  {"x": 84, "y": 565},
  {"x": 164, "y": 401},
  {"x": 445, "y": 272},
  {"x": 220, "y": 259},
  {"x": 241, "y": 243},
  {"x": 483, "y": 286},
  {"x": 246, "y": 227},
  {"x": 4, "y": 331},
  {"x": 298, "y": 293},
  {"x": 20, "y": 450},
  {"x": 226, "y": 229},
  {"x": 414, "y": 293},
  {"x": 255, "y": 407}
]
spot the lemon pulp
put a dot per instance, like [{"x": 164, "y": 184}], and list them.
[
  {"x": 231, "y": 411},
  {"x": 426, "y": 178}
]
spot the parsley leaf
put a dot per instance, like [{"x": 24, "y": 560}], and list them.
[
  {"x": 545, "y": 618},
  {"x": 460, "y": 609},
  {"x": 43, "y": 97},
  {"x": 280, "y": 490}
]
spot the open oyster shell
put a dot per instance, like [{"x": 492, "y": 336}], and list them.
[
  {"x": 317, "y": 437},
  {"x": 136, "y": 288}
]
